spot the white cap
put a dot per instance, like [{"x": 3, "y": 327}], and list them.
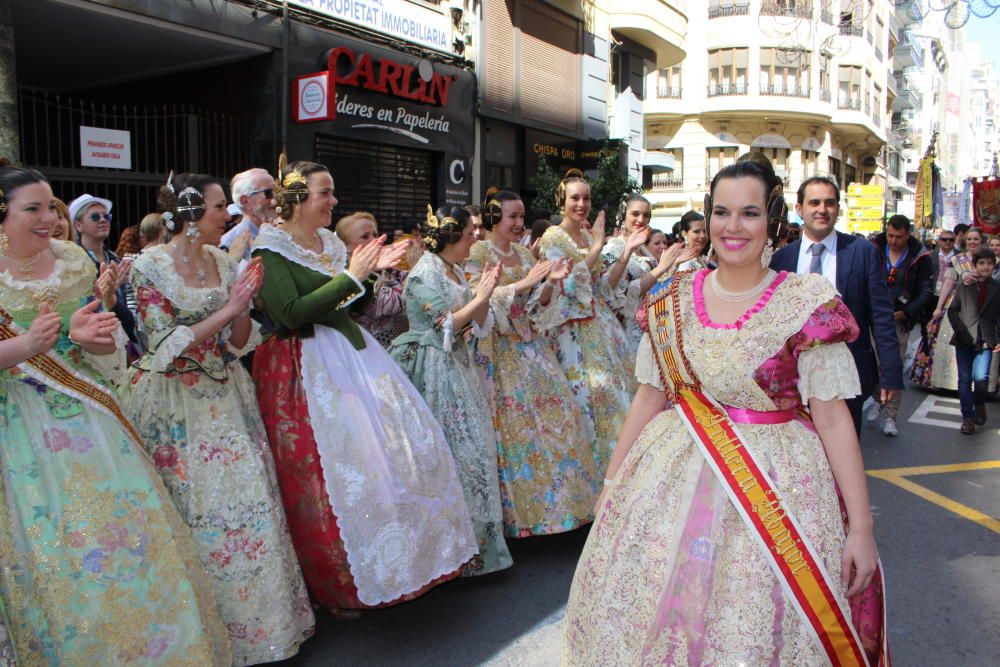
[
  {"x": 234, "y": 209},
  {"x": 83, "y": 201}
]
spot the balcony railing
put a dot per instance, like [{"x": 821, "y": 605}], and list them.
[
  {"x": 722, "y": 11},
  {"x": 824, "y": 95},
  {"x": 716, "y": 89},
  {"x": 852, "y": 29},
  {"x": 664, "y": 91},
  {"x": 785, "y": 9},
  {"x": 844, "y": 103},
  {"x": 878, "y": 53},
  {"x": 668, "y": 182},
  {"x": 785, "y": 91},
  {"x": 826, "y": 16}
]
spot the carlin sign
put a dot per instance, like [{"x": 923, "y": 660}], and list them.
[{"x": 371, "y": 91}]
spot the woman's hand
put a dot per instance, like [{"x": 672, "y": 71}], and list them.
[
  {"x": 597, "y": 231},
  {"x": 636, "y": 239},
  {"x": 560, "y": 270},
  {"x": 968, "y": 278},
  {"x": 491, "y": 275},
  {"x": 857, "y": 566},
  {"x": 687, "y": 254},
  {"x": 365, "y": 258},
  {"x": 124, "y": 269},
  {"x": 668, "y": 259},
  {"x": 536, "y": 274},
  {"x": 44, "y": 331},
  {"x": 937, "y": 314},
  {"x": 89, "y": 327},
  {"x": 389, "y": 256},
  {"x": 238, "y": 248},
  {"x": 247, "y": 286},
  {"x": 108, "y": 280}
]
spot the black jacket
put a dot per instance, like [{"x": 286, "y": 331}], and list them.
[{"x": 913, "y": 289}]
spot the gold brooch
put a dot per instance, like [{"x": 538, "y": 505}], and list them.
[{"x": 293, "y": 178}]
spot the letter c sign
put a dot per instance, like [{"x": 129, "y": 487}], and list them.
[{"x": 457, "y": 171}]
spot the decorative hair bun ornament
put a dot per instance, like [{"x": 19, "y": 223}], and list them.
[
  {"x": 571, "y": 176},
  {"x": 168, "y": 221},
  {"x": 491, "y": 208}
]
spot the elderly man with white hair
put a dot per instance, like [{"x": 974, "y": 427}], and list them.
[{"x": 253, "y": 192}]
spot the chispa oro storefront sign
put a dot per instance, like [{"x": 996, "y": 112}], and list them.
[
  {"x": 390, "y": 97},
  {"x": 399, "y": 18}
]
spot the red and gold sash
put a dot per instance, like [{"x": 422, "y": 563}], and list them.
[
  {"x": 49, "y": 369},
  {"x": 757, "y": 500}
]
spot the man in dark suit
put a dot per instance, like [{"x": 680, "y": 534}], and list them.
[{"x": 854, "y": 266}]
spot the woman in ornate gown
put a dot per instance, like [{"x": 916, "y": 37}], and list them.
[
  {"x": 194, "y": 405},
  {"x": 370, "y": 489},
  {"x": 693, "y": 231},
  {"x": 632, "y": 267},
  {"x": 934, "y": 364},
  {"x": 587, "y": 337},
  {"x": 548, "y": 476},
  {"x": 96, "y": 565},
  {"x": 442, "y": 310},
  {"x": 694, "y": 557}
]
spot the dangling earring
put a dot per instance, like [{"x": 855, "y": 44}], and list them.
[
  {"x": 4, "y": 241},
  {"x": 765, "y": 256},
  {"x": 192, "y": 230}
]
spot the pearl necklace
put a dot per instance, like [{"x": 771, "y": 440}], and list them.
[{"x": 738, "y": 297}]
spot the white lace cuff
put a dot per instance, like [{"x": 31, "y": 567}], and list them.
[
  {"x": 646, "y": 370},
  {"x": 828, "y": 372},
  {"x": 253, "y": 340},
  {"x": 448, "y": 329},
  {"x": 500, "y": 304},
  {"x": 360, "y": 294},
  {"x": 172, "y": 347},
  {"x": 111, "y": 366},
  {"x": 483, "y": 330}
]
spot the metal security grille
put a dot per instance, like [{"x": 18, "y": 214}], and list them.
[
  {"x": 392, "y": 183},
  {"x": 164, "y": 137}
]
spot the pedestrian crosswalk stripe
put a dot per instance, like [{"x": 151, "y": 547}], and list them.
[{"x": 948, "y": 411}]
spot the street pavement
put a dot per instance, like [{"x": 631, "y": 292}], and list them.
[{"x": 936, "y": 499}]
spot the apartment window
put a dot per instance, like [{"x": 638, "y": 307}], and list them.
[
  {"x": 717, "y": 8},
  {"x": 849, "y": 87},
  {"x": 717, "y": 158},
  {"x": 810, "y": 164},
  {"x": 850, "y": 174},
  {"x": 784, "y": 72},
  {"x": 779, "y": 158},
  {"x": 727, "y": 72},
  {"x": 668, "y": 82},
  {"x": 833, "y": 166}
]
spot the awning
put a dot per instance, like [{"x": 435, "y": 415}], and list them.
[
  {"x": 771, "y": 141},
  {"x": 658, "y": 162}
]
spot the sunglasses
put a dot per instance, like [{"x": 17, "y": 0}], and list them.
[
  {"x": 96, "y": 217},
  {"x": 946, "y": 239},
  {"x": 268, "y": 192}
]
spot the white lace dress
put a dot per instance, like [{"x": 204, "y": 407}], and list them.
[
  {"x": 626, "y": 297},
  {"x": 197, "y": 413}
]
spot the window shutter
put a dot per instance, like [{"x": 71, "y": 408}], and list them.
[{"x": 501, "y": 56}]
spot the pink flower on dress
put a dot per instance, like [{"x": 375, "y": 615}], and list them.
[
  {"x": 165, "y": 456},
  {"x": 77, "y": 539},
  {"x": 189, "y": 379},
  {"x": 112, "y": 537},
  {"x": 56, "y": 440},
  {"x": 156, "y": 647}
]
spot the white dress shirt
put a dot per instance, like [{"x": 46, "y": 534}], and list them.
[{"x": 828, "y": 260}]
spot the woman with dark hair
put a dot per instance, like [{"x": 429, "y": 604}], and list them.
[
  {"x": 444, "y": 313},
  {"x": 632, "y": 268},
  {"x": 721, "y": 484},
  {"x": 96, "y": 566},
  {"x": 548, "y": 480},
  {"x": 587, "y": 337},
  {"x": 692, "y": 230},
  {"x": 194, "y": 405},
  {"x": 374, "y": 504}
]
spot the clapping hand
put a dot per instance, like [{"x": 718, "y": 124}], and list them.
[
  {"x": 365, "y": 258},
  {"x": 636, "y": 239},
  {"x": 108, "y": 280},
  {"x": 238, "y": 248},
  {"x": 597, "y": 231},
  {"x": 668, "y": 258},
  {"x": 389, "y": 256},
  {"x": 246, "y": 287},
  {"x": 124, "y": 268},
  {"x": 44, "y": 331},
  {"x": 560, "y": 270},
  {"x": 689, "y": 253},
  {"x": 89, "y": 327},
  {"x": 537, "y": 274},
  {"x": 491, "y": 275}
]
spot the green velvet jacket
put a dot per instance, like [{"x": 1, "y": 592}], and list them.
[{"x": 297, "y": 297}]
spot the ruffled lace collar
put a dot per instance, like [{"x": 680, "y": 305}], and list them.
[
  {"x": 157, "y": 264},
  {"x": 72, "y": 278},
  {"x": 332, "y": 261}
]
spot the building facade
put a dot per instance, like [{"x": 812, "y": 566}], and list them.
[{"x": 806, "y": 82}]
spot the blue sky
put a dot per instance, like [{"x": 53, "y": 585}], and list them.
[{"x": 985, "y": 32}]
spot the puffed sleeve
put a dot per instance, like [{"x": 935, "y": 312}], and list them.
[
  {"x": 825, "y": 365},
  {"x": 167, "y": 339}
]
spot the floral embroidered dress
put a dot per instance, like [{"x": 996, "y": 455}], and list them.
[
  {"x": 934, "y": 364},
  {"x": 96, "y": 565},
  {"x": 197, "y": 413},
  {"x": 370, "y": 488},
  {"x": 590, "y": 343},
  {"x": 548, "y": 477},
  {"x": 626, "y": 297},
  {"x": 439, "y": 361},
  {"x": 384, "y": 317},
  {"x": 670, "y": 574}
]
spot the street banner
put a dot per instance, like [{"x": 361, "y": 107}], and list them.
[
  {"x": 923, "y": 215},
  {"x": 986, "y": 204}
]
